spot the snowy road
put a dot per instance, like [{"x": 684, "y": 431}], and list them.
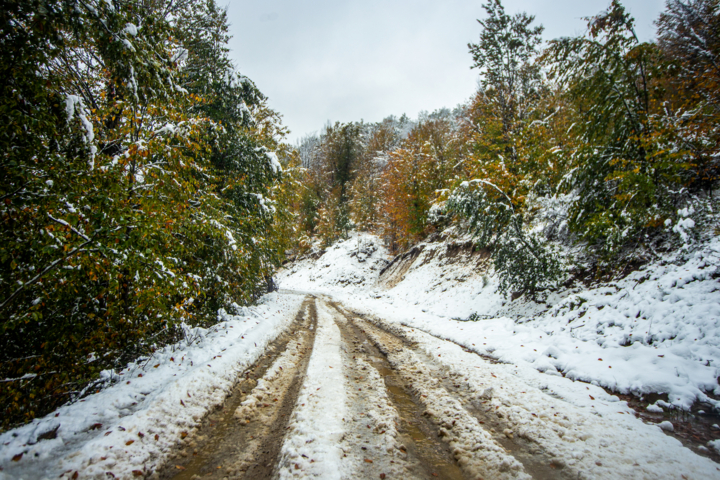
[
  {"x": 373, "y": 373},
  {"x": 305, "y": 386},
  {"x": 340, "y": 395}
]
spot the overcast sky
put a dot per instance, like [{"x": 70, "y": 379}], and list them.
[{"x": 347, "y": 60}]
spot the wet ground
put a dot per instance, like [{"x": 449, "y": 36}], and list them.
[
  {"x": 229, "y": 447},
  {"x": 407, "y": 415}
]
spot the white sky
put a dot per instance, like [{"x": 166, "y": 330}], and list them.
[{"x": 347, "y": 60}]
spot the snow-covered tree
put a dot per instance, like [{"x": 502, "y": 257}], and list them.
[{"x": 136, "y": 195}]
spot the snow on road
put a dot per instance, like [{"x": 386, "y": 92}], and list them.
[
  {"x": 473, "y": 447},
  {"x": 656, "y": 330},
  {"x": 590, "y": 444},
  {"x": 313, "y": 446}
]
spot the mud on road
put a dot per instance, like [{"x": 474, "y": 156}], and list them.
[
  {"x": 242, "y": 438},
  {"x": 387, "y": 433},
  {"x": 392, "y": 426},
  {"x": 341, "y": 395},
  {"x": 477, "y": 437}
]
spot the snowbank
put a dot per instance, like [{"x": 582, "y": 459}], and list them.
[{"x": 132, "y": 425}]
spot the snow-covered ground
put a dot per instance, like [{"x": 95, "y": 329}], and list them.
[
  {"x": 353, "y": 264},
  {"x": 128, "y": 428},
  {"x": 657, "y": 330}
]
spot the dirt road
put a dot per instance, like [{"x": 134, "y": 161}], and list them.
[{"x": 343, "y": 396}]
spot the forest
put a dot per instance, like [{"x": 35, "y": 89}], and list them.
[
  {"x": 600, "y": 147},
  {"x": 146, "y": 184}
]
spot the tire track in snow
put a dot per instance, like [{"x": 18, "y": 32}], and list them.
[
  {"x": 242, "y": 439},
  {"x": 474, "y": 449},
  {"x": 313, "y": 444},
  {"x": 379, "y": 406},
  {"x": 583, "y": 444}
]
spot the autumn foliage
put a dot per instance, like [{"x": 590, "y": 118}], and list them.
[
  {"x": 139, "y": 189},
  {"x": 600, "y": 142}
]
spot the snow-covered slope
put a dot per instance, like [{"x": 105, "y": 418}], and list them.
[
  {"x": 657, "y": 330},
  {"x": 354, "y": 263}
]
